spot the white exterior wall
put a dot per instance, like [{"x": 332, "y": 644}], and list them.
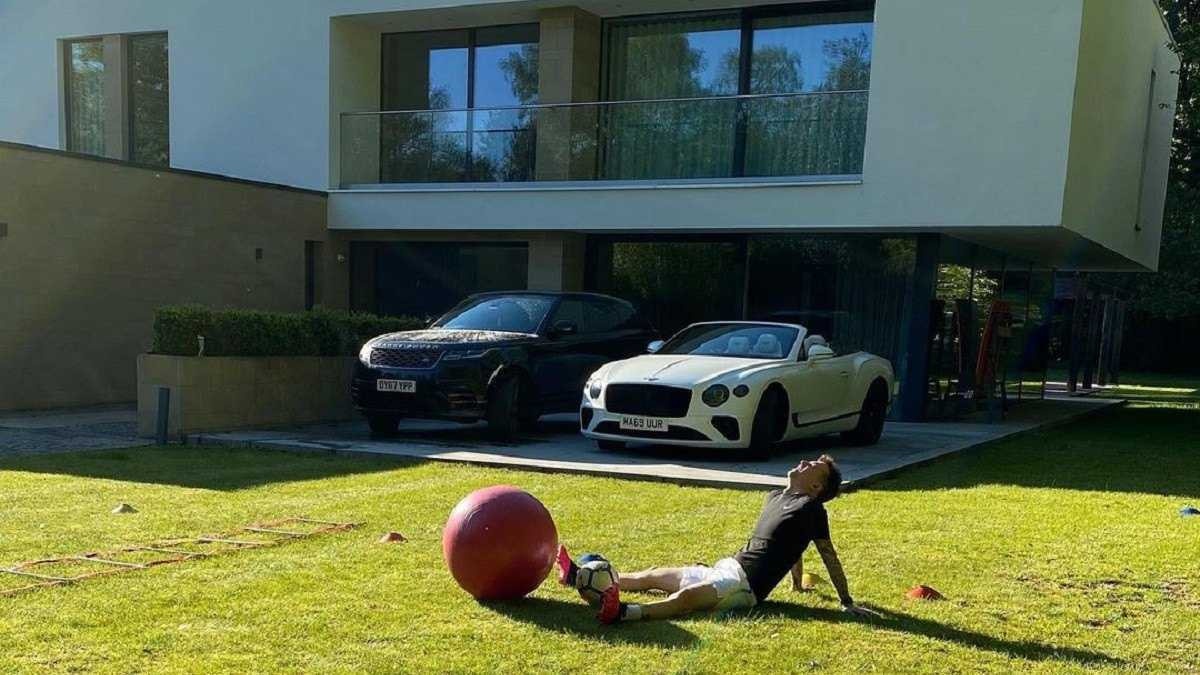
[
  {"x": 1120, "y": 133},
  {"x": 970, "y": 121}
]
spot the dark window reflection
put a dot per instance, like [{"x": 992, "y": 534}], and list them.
[
  {"x": 85, "y": 97},
  {"x": 149, "y": 100},
  {"x": 851, "y": 289},
  {"x": 425, "y": 279},
  {"x": 675, "y": 283},
  {"x": 671, "y": 57},
  {"x": 431, "y": 71}
]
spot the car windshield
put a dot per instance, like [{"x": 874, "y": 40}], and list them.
[
  {"x": 744, "y": 341},
  {"x": 506, "y": 313}
]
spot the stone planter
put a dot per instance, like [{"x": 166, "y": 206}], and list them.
[{"x": 215, "y": 393}]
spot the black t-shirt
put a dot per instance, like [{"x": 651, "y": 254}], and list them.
[{"x": 787, "y": 524}]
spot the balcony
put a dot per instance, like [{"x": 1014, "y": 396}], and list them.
[{"x": 804, "y": 136}]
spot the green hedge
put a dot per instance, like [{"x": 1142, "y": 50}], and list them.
[{"x": 240, "y": 332}]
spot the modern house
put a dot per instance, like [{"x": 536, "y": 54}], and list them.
[{"x": 885, "y": 171}]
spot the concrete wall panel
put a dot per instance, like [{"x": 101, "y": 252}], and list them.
[{"x": 93, "y": 247}]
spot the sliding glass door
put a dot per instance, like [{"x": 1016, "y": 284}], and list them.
[
  {"x": 450, "y": 74},
  {"x": 765, "y": 92}
]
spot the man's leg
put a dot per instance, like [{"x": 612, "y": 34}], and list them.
[
  {"x": 694, "y": 598},
  {"x": 666, "y": 579},
  {"x": 697, "y": 598}
]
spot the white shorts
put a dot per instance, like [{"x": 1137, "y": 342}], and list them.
[{"x": 728, "y": 577}]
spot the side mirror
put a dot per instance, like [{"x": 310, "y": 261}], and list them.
[
  {"x": 819, "y": 353},
  {"x": 564, "y": 328},
  {"x": 653, "y": 347}
]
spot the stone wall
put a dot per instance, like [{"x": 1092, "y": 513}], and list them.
[
  {"x": 218, "y": 393},
  {"x": 90, "y": 247}
]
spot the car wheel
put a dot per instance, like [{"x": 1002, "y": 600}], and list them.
[
  {"x": 503, "y": 414},
  {"x": 383, "y": 425},
  {"x": 870, "y": 419},
  {"x": 765, "y": 431},
  {"x": 610, "y": 446},
  {"x": 527, "y": 411}
]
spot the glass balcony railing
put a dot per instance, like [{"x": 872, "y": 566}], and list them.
[{"x": 757, "y": 136}]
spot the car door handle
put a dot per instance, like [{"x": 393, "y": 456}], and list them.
[{"x": 844, "y": 373}]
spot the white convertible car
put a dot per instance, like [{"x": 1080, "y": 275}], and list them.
[{"x": 738, "y": 385}]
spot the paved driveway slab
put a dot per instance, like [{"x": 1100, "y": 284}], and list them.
[
  {"x": 70, "y": 429},
  {"x": 558, "y": 446}
]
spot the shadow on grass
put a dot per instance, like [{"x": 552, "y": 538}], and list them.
[
  {"x": 907, "y": 623},
  {"x": 208, "y": 467},
  {"x": 579, "y": 620},
  {"x": 1144, "y": 450}
]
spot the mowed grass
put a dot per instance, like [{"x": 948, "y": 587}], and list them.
[{"x": 1058, "y": 551}]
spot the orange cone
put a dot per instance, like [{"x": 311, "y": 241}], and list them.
[{"x": 923, "y": 592}]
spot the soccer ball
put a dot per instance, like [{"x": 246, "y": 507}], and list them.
[{"x": 594, "y": 577}]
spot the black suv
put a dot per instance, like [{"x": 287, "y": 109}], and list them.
[{"x": 506, "y": 358}]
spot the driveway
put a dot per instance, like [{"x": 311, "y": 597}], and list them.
[
  {"x": 65, "y": 430},
  {"x": 558, "y": 446}
]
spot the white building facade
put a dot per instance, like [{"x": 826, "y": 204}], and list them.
[{"x": 833, "y": 161}]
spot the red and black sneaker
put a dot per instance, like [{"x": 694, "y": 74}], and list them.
[
  {"x": 567, "y": 569},
  {"x": 611, "y": 607}
]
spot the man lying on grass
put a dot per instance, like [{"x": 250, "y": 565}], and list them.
[{"x": 791, "y": 518}]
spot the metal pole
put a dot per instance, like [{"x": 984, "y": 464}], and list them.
[{"x": 164, "y": 410}]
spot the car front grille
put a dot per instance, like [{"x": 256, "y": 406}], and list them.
[
  {"x": 420, "y": 357},
  {"x": 651, "y": 400}
]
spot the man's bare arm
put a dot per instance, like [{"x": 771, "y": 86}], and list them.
[
  {"x": 798, "y": 575},
  {"x": 837, "y": 576}
]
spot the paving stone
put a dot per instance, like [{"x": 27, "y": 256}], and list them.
[{"x": 558, "y": 446}]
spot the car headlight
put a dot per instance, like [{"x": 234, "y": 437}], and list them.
[
  {"x": 595, "y": 388},
  {"x": 741, "y": 390},
  {"x": 468, "y": 354},
  {"x": 364, "y": 354},
  {"x": 715, "y": 395}
]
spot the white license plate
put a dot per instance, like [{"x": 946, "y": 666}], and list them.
[
  {"x": 401, "y": 386},
  {"x": 638, "y": 423}
]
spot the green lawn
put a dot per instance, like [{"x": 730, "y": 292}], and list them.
[{"x": 1058, "y": 551}]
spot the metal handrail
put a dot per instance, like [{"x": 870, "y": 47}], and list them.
[{"x": 579, "y": 104}]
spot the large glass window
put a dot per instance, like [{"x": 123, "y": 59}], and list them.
[
  {"x": 470, "y": 80},
  {"x": 675, "y": 283},
  {"x": 91, "y": 81},
  {"x": 85, "y": 96},
  {"x": 149, "y": 94},
  {"x": 673, "y": 57},
  {"x": 426, "y": 279},
  {"x": 850, "y": 290},
  {"x": 811, "y": 52},
  {"x": 807, "y": 73},
  {"x": 827, "y": 56},
  {"x": 853, "y": 290}
]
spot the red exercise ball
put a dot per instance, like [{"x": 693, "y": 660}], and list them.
[{"x": 500, "y": 543}]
